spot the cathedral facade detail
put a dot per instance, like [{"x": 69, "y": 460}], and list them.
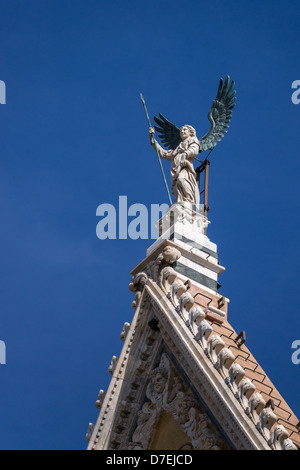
[{"x": 185, "y": 378}]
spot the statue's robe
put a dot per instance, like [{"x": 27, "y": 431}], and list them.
[{"x": 183, "y": 176}]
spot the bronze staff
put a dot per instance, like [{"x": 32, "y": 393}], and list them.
[{"x": 157, "y": 153}]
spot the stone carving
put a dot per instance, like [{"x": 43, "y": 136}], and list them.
[
  {"x": 100, "y": 399},
  {"x": 204, "y": 331},
  {"x": 176, "y": 291},
  {"x": 194, "y": 423},
  {"x": 167, "y": 257},
  {"x": 236, "y": 373},
  {"x": 267, "y": 419},
  {"x": 215, "y": 344},
  {"x": 280, "y": 439},
  {"x": 170, "y": 254},
  {"x": 279, "y": 436},
  {"x": 256, "y": 405},
  {"x": 167, "y": 392},
  {"x": 159, "y": 270},
  {"x": 147, "y": 419},
  {"x": 196, "y": 316},
  {"x": 183, "y": 176},
  {"x": 186, "y": 301},
  {"x": 89, "y": 432},
  {"x": 137, "y": 285},
  {"x": 225, "y": 360},
  {"x": 185, "y": 214},
  {"x": 125, "y": 331},
  {"x": 246, "y": 388},
  {"x": 289, "y": 445},
  {"x": 166, "y": 278},
  {"x": 183, "y": 145},
  {"x": 113, "y": 364}
]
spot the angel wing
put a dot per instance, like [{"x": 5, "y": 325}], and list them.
[
  {"x": 219, "y": 115},
  {"x": 168, "y": 133}
]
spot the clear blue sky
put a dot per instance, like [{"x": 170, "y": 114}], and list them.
[{"x": 74, "y": 135}]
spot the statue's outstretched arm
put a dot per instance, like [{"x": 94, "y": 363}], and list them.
[{"x": 165, "y": 154}]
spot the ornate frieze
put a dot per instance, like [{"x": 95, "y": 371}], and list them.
[{"x": 168, "y": 392}]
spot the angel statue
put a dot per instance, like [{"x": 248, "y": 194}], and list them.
[{"x": 182, "y": 145}]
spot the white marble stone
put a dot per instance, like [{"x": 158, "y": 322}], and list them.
[{"x": 186, "y": 222}]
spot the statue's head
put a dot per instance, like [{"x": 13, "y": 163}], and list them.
[{"x": 187, "y": 131}]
